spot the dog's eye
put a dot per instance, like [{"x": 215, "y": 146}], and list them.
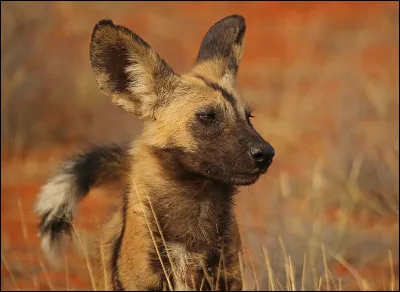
[{"x": 206, "y": 117}]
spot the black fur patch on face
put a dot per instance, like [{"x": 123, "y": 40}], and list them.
[
  {"x": 223, "y": 158},
  {"x": 188, "y": 169},
  {"x": 221, "y": 37},
  {"x": 226, "y": 157},
  {"x": 229, "y": 97},
  {"x": 116, "y": 282}
]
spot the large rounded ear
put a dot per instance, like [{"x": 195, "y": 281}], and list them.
[
  {"x": 127, "y": 69},
  {"x": 222, "y": 48}
]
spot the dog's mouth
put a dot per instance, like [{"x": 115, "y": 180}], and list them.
[
  {"x": 238, "y": 178},
  {"x": 248, "y": 178},
  {"x": 244, "y": 179}
]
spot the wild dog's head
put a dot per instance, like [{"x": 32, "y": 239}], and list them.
[{"x": 197, "y": 119}]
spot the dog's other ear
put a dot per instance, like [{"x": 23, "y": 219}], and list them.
[
  {"x": 127, "y": 69},
  {"x": 222, "y": 48}
]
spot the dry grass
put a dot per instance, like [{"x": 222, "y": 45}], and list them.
[{"x": 321, "y": 282}]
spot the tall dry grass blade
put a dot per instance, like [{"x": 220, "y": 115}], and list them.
[
  {"x": 392, "y": 277},
  {"x": 21, "y": 215},
  {"x": 254, "y": 271},
  {"x": 193, "y": 281},
  {"x": 287, "y": 268},
  {"x": 343, "y": 218},
  {"x": 352, "y": 186},
  {"x": 9, "y": 271},
  {"x": 219, "y": 268},
  {"x": 25, "y": 232},
  {"x": 207, "y": 275},
  {"x": 303, "y": 276},
  {"x": 185, "y": 282},
  {"x": 36, "y": 283},
  {"x": 103, "y": 261},
  {"x": 86, "y": 256},
  {"x": 356, "y": 167},
  {"x": 271, "y": 276},
  {"x": 152, "y": 238},
  {"x": 315, "y": 278},
  {"x": 241, "y": 265},
  {"x": 360, "y": 280},
  {"x": 46, "y": 274},
  {"x": 162, "y": 236},
  {"x": 224, "y": 270},
  {"x": 340, "y": 284},
  {"x": 320, "y": 284},
  {"x": 101, "y": 251},
  {"x": 292, "y": 272},
  {"x": 202, "y": 284},
  {"x": 328, "y": 276}
]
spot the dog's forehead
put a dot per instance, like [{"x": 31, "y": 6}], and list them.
[{"x": 203, "y": 89}]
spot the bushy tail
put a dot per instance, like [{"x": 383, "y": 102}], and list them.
[{"x": 59, "y": 197}]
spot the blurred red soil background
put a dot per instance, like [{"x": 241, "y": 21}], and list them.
[{"x": 323, "y": 79}]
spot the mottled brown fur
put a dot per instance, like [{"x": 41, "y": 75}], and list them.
[
  {"x": 183, "y": 172},
  {"x": 176, "y": 228}
]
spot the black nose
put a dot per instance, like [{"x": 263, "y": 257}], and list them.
[{"x": 262, "y": 155}]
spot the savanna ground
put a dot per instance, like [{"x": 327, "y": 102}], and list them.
[{"x": 323, "y": 79}]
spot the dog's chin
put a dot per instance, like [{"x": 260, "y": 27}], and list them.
[
  {"x": 244, "y": 179},
  {"x": 236, "y": 179}
]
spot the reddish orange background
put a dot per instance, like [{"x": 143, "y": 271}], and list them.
[{"x": 322, "y": 77}]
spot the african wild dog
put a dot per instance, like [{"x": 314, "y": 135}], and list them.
[{"x": 197, "y": 147}]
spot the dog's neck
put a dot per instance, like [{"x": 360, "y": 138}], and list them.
[{"x": 190, "y": 208}]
